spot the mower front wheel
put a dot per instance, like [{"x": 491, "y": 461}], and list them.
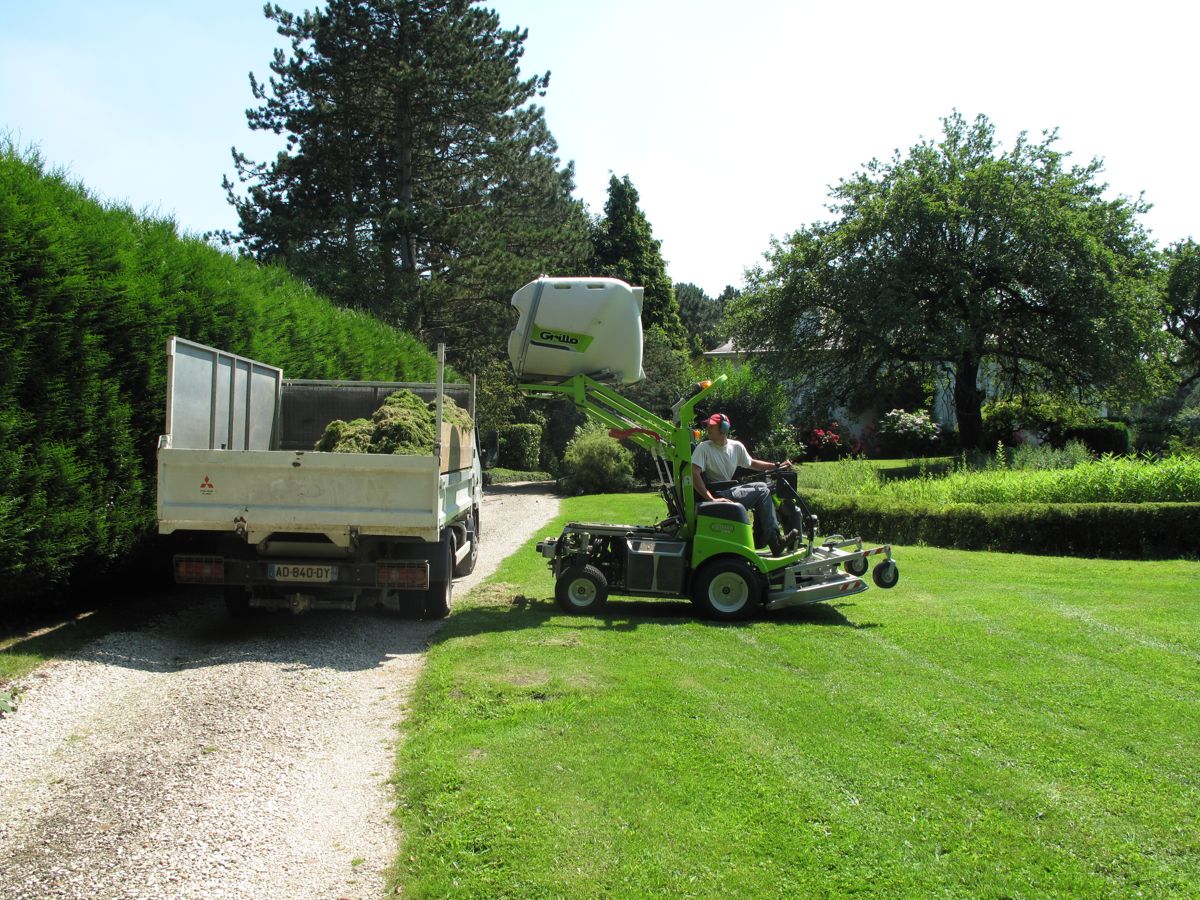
[
  {"x": 581, "y": 590},
  {"x": 728, "y": 590},
  {"x": 856, "y": 567},
  {"x": 886, "y": 574}
]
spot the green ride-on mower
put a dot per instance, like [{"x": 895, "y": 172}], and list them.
[{"x": 704, "y": 551}]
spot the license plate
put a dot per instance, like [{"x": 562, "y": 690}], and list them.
[{"x": 301, "y": 572}]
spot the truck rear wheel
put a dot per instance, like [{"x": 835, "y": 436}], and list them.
[
  {"x": 237, "y": 600},
  {"x": 437, "y": 598},
  {"x": 467, "y": 564}
]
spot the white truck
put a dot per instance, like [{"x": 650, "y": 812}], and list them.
[{"x": 251, "y": 507}]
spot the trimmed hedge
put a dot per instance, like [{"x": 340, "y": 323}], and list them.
[
  {"x": 1108, "y": 530},
  {"x": 520, "y": 446}
]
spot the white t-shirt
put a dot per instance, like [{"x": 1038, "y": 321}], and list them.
[{"x": 719, "y": 463}]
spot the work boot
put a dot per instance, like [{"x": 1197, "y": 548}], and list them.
[{"x": 781, "y": 543}]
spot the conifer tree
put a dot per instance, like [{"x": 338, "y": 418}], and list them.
[
  {"x": 626, "y": 249},
  {"x": 420, "y": 180}
]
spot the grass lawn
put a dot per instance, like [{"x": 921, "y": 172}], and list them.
[{"x": 997, "y": 725}]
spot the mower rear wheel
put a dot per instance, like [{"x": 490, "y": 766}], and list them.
[
  {"x": 728, "y": 589},
  {"x": 581, "y": 590},
  {"x": 886, "y": 574}
]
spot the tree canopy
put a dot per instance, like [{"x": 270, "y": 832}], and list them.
[
  {"x": 702, "y": 316},
  {"x": 966, "y": 257},
  {"x": 1181, "y": 309},
  {"x": 419, "y": 180}
]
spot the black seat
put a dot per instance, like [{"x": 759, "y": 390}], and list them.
[{"x": 732, "y": 512}]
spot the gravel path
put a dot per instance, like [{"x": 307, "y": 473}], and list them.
[{"x": 204, "y": 757}]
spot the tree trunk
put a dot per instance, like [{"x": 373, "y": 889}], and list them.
[{"x": 968, "y": 401}]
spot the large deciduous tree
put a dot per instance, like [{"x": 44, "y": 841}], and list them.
[
  {"x": 419, "y": 180},
  {"x": 625, "y": 248},
  {"x": 1181, "y": 309},
  {"x": 967, "y": 257}
]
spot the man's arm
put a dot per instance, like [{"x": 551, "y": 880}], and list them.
[{"x": 760, "y": 465}]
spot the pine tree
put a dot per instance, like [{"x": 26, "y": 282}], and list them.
[
  {"x": 419, "y": 182},
  {"x": 626, "y": 249}
]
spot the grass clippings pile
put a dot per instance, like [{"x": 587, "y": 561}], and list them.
[{"x": 405, "y": 425}]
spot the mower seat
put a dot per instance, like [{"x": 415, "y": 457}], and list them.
[{"x": 733, "y": 512}]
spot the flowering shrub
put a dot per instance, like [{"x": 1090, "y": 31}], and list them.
[
  {"x": 904, "y": 433},
  {"x": 826, "y": 443}
]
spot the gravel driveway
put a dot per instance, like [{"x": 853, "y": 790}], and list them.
[{"x": 206, "y": 757}]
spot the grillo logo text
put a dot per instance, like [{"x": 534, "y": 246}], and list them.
[{"x": 561, "y": 338}]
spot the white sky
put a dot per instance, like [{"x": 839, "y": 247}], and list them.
[{"x": 731, "y": 119}]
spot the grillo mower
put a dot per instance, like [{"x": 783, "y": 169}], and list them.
[{"x": 705, "y": 551}]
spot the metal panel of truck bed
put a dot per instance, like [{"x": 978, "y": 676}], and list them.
[{"x": 256, "y": 493}]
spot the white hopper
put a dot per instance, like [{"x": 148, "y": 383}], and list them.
[{"x": 573, "y": 326}]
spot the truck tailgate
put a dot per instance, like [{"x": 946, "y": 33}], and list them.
[{"x": 255, "y": 493}]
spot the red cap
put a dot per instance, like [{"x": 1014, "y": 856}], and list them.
[{"x": 718, "y": 419}]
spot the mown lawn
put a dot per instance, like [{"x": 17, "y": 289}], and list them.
[{"x": 997, "y": 725}]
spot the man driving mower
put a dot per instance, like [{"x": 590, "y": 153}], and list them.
[{"x": 716, "y": 459}]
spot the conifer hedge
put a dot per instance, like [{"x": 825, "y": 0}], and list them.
[{"x": 89, "y": 295}]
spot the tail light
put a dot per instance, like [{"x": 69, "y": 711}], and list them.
[
  {"x": 199, "y": 569},
  {"x": 409, "y": 575}
]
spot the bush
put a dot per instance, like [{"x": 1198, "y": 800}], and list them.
[
  {"x": 1040, "y": 457},
  {"x": 1100, "y": 437},
  {"x": 596, "y": 464},
  {"x": 1185, "y": 431},
  {"x": 784, "y": 442},
  {"x": 826, "y": 442},
  {"x": 520, "y": 446},
  {"x": 907, "y": 434},
  {"x": 1039, "y": 413},
  {"x": 755, "y": 404}
]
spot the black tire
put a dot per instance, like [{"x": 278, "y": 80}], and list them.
[
  {"x": 886, "y": 574},
  {"x": 237, "y": 601},
  {"x": 467, "y": 564},
  {"x": 856, "y": 567},
  {"x": 581, "y": 590},
  {"x": 437, "y": 597},
  {"x": 728, "y": 590}
]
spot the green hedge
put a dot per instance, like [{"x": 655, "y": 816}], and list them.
[
  {"x": 89, "y": 295},
  {"x": 1108, "y": 530},
  {"x": 1100, "y": 437},
  {"x": 520, "y": 446}
]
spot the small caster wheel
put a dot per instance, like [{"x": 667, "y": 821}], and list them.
[
  {"x": 856, "y": 567},
  {"x": 886, "y": 574}
]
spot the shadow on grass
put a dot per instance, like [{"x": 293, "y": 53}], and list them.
[
  {"x": 498, "y": 609},
  {"x": 933, "y": 468}
]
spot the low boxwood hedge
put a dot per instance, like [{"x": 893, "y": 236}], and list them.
[{"x": 1109, "y": 530}]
